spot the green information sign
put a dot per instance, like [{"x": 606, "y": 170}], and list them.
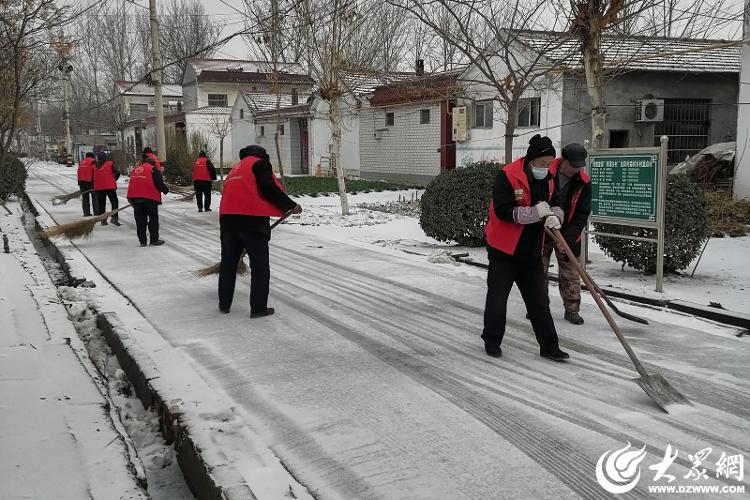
[{"x": 624, "y": 186}]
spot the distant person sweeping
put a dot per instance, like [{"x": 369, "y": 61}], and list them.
[
  {"x": 251, "y": 195},
  {"x": 144, "y": 193},
  {"x": 149, "y": 153},
  {"x": 573, "y": 188},
  {"x": 86, "y": 183},
  {"x": 522, "y": 205},
  {"x": 204, "y": 173},
  {"x": 105, "y": 186}
]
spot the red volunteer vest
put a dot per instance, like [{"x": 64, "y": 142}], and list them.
[
  {"x": 86, "y": 170},
  {"x": 157, "y": 161},
  {"x": 142, "y": 185},
  {"x": 240, "y": 195},
  {"x": 576, "y": 194},
  {"x": 502, "y": 235},
  {"x": 103, "y": 178},
  {"x": 200, "y": 170}
]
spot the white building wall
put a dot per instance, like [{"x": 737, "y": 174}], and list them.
[
  {"x": 201, "y": 122},
  {"x": 266, "y": 140},
  {"x": 742, "y": 158},
  {"x": 407, "y": 150},
  {"x": 243, "y": 129},
  {"x": 319, "y": 130}
]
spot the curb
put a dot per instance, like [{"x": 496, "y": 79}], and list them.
[
  {"x": 200, "y": 443},
  {"x": 719, "y": 315}
]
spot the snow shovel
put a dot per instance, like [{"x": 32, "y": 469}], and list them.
[
  {"x": 655, "y": 386},
  {"x": 628, "y": 316}
]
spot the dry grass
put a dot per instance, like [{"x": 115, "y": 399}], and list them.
[
  {"x": 82, "y": 228},
  {"x": 728, "y": 217}
]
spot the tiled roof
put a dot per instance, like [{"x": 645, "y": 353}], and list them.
[
  {"x": 259, "y": 102},
  {"x": 642, "y": 53},
  {"x": 212, "y": 110},
  {"x": 253, "y": 77},
  {"x": 437, "y": 86},
  {"x": 140, "y": 88},
  {"x": 299, "y": 109},
  {"x": 236, "y": 70},
  {"x": 366, "y": 83}
]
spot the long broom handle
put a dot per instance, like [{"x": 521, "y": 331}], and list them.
[
  {"x": 560, "y": 240},
  {"x": 281, "y": 219}
]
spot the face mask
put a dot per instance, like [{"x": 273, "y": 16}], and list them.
[{"x": 539, "y": 173}]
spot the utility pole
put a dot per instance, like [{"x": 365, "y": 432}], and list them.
[
  {"x": 161, "y": 148},
  {"x": 64, "y": 50},
  {"x": 742, "y": 157}
]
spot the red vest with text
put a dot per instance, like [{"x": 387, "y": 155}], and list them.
[
  {"x": 502, "y": 235},
  {"x": 86, "y": 169},
  {"x": 103, "y": 177},
  {"x": 142, "y": 185},
  {"x": 240, "y": 195},
  {"x": 576, "y": 194},
  {"x": 157, "y": 161},
  {"x": 200, "y": 170}
]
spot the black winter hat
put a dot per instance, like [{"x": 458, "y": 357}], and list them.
[
  {"x": 90, "y": 155},
  {"x": 254, "y": 150},
  {"x": 540, "y": 146},
  {"x": 576, "y": 154},
  {"x": 101, "y": 158}
]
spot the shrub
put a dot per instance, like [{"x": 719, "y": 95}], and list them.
[
  {"x": 456, "y": 203},
  {"x": 687, "y": 227},
  {"x": 12, "y": 176}
]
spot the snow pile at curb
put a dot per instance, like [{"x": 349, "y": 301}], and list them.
[
  {"x": 323, "y": 216},
  {"x": 442, "y": 257}
]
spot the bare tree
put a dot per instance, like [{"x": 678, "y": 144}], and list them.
[
  {"x": 219, "y": 126},
  {"x": 185, "y": 31},
  {"x": 502, "y": 65},
  {"x": 26, "y": 62}
]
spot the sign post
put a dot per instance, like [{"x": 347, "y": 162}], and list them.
[{"x": 629, "y": 189}]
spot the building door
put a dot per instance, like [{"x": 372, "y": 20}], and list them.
[
  {"x": 304, "y": 142},
  {"x": 447, "y": 144},
  {"x": 687, "y": 123}
]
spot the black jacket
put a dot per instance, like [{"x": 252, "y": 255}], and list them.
[
  {"x": 270, "y": 191},
  {"x": 504, "y": 201},
  {"x": 573, "y": 228},
  {"x": 211, "y": 170}
]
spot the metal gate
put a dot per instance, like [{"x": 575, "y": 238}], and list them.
[{"x": 687, "y": 123}]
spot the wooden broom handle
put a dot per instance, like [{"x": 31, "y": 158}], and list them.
[{"x": 561, "y": 243}]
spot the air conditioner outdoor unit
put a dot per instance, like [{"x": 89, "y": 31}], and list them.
[
  {"x": 649, "y": 110},
  {"x": 460, "y": 123}
]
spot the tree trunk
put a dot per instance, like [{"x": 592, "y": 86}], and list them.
[
  {"x": 594, "y": 80},
  {"x": 221, "y": 160},
  {"x": 335, "y": 115},
  {"x": 510, "y": 129},
  {"x": 278, "y": 152}
]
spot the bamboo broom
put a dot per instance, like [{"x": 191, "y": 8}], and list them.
[
  {"x": 81, "y": 228},
  {"x": 242, "y": 268},
  {"x": 64, "y": 198}
]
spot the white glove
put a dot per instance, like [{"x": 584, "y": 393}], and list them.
[
  {"x": 552, "y": 222},
  {"x": 543, "y": 209}
]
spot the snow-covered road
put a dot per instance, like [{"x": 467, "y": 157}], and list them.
[{"x": 371, "y": 380}]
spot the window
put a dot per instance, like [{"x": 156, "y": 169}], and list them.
[
  {"x": 424, "y": 116},
  {"x": 483, "y": 114},
  {"x": 295, "y": 97},
  {"x": 281, "y": 129},
  {"x": 242, "y": 114},
  {"x": 217, "y": 100},
  {"x": 390, "y": 119},
  {"x": 618, "y": 139},
  {"x": 528, "y": 112},
  {"x": 262, "y": 131},
  {"x": 139, "y": 110}
]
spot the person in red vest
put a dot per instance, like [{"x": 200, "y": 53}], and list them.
[
  {"x": 523, "y": 204},
  {"x": 573, "y": 187},
  {"x": 251, "y": 195},
  {"x": 105, "y": 186},
  {"x": 86, "y": 182},
  {"x": 149, "y": 153},
  {"x": 204, "y": 173},
  {"x": 144, "y": 193}
]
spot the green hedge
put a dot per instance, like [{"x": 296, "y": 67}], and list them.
[
  {"x": 12, "y": 176},
  {"x": 687, "y": 227},
  {"x": 456, "y": 204}
]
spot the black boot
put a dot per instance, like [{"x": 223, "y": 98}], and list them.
[
  {"x": 573, "y": 317},
  {"x": 494, "y": 351},
  {"x": 269, "y": 311},
  {"x": 558, "y": 355},
  {"x": 157, "y": 243}
]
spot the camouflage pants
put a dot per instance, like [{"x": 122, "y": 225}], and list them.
[{"x": 570, "y": 282}]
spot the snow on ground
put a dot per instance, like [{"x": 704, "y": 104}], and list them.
[{"x": 371, "y": 382}]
